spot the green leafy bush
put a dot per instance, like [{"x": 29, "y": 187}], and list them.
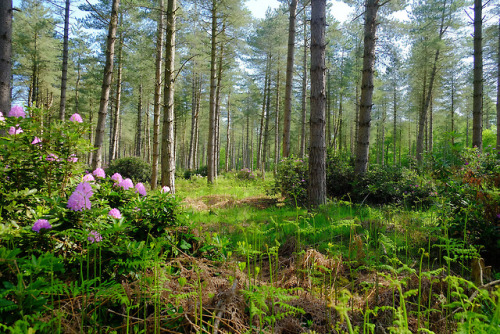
[
  {"x": 245, "y": 174},
  {"x": 131, "y": 167},
  {"x": 291, "y": 181}
]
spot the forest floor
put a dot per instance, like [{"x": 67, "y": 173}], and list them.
[{"x": 346, "y": 269}]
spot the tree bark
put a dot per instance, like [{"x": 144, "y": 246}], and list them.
[
  {"x": 228, "y": 132},
  {"x": 498, "y": 92},
  {"x": 212, "y": 103},
  {"x": 5, "y": 55},
  {"x": 64, "y": 77},
  {"x": 263, "y": 115},
  {"x": 277, "y": 124},
  {"x": 289, "y": 79},
  {"x": 138, "y": 133},
  {"x": 106, "y": 86},
  {"x": 157, "y": 97},
  {"x": 317, "y": 151},
  {"x": 365, "y": 105},
  {"x": 114, "y": 147},
  {"x": 168, "y": 140},
  {"x": 304, "y": 92},
  {"x": 423, "y": 112},
  {"x": 477, "y": 104}
]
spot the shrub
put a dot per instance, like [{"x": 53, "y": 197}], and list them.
[
  {"x": 131, "y": 167},
  {"x": 291, "y": 181},
  {"x": 245, "y": 174}
]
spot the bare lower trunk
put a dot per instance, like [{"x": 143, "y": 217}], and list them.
[
  {"x": 106, "y": 86},
  {"x": 5, "y": 54},
  {"x": 114, "y": 147},
  {"x": 168, "y": 140},
  {"x": 304, "y": 92},
  {"x": 64, "y": 77},
  {"x": 365, "y": 105},
  {"x": 477, "y": 105},
  {"x": 138, "y": 134},
  {"x": 212, "y": 102},
  {"x": 289, "y": 79},
  {"x": 317, "y": 152},
  {"x": 157, "y": 98}
]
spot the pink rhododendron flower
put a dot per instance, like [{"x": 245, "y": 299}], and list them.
[
  {"x": 80, "y": 198},
  {"x": 99, "y": 172},
  {"x": 165, "y": 189},
  {"x": 88, "y": 178},
  {"x": 126, "y": 184},
  {"x": 94, "y": 236},
  {"x": 76, "y": 118},
  {"x": 17, "y": 111},
  {"x": 115, "y": 213},
  {"x": 40, "y": 224},
  {"x": 15, "y": 131},
  {"x": 2, "y": 119},
  {"x": 117, "y": 177},
  {"x": 139, "y": 188},
  {"x": 52, "y": 157},
  {"x": 73, "y": 158},
  {"x": 36, "y": 141}
]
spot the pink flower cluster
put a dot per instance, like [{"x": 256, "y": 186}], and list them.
[
  {"x": 99, "y": 172},
  {"x": 126, "y": 184},
  {"x": 41, "y": 224},
  {"x": 17, "y": 112},
  {"x": 139, "y": 188},
  {"x": 80, "y": 198},
  {"x": 115, "y": 213},
  {"x": 117, "y": 178},
  {"x": 94, "y": 236},
  {"x": 76, "y": 118},
  {"x": 15, "y": 130}
]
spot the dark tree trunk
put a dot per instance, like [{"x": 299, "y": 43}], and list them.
[
  {"x": 64, "y": 77},
  {"x": 289, "y": 79},
  {"x": 212, "y": 108},
  {"x": 317, "y": 151},
  {"x": 106, "y": 86},
  {"x": 138, "y": 133},
  {"x": 157, "y": 97},
  {"x": 365, "y": 105},
  {"x": 5, "y": 55},
  {"x": 304, "y": 92},
  {"x": 477, "y": 104}
]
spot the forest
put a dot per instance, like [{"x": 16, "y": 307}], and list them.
[{"x": 191, "y": 166}]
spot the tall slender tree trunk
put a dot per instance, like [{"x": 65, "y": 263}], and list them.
[
  {"x": 212, "y": 103},
  {"x": 363, "y": 140},
  {"x": 304, "y": 92},
  {"x": 168, "y": 139},
  {"x": 114, "y": 143},
  {"x": 217, "y": 106},
  {"x": 289, "y": 79},
  {"x": 194, "y": 120},
  {"x": 157, "y": 96},
  {"x": 277, "y": 124},
  {"x": 423, "y": 112},
  {"x": 395, "y": 121},
  {"x": 477, "y": 104},
  {"x": 228, "y": 133},
  {"x": 106, "y": 86},
  {"x": 452, "y": 111},
  {"x": 317, "y": 152},
  {"x": 263, "y": 114},
  {"x": 138, "y": 134},
  {"x": 266, "y": 127},
  {"x": 5, "y": 55},
  {"x": 64, "y": 77},
  {"x": 498, "y": 92}
]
